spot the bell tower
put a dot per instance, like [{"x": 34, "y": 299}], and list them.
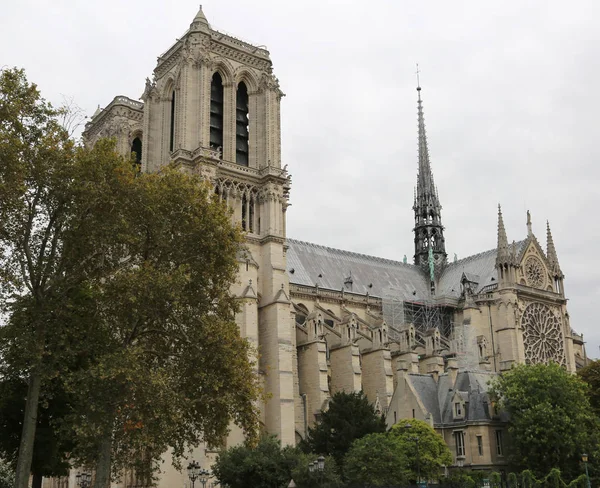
[
  {"x": 212, "y": 108},
  {"x": 430, "y": 245}
]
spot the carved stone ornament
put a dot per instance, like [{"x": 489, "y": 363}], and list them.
[
  {"x": 542, "y": 335},
  {"x": 534, "y": 272}
]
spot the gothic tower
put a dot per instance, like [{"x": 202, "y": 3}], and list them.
[
  {"x": 429, "y": 231},
  {"x": 212, "y": 108}
]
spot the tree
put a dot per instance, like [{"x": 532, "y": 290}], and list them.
[
  {"x": 305, "y": 478},
  {"x": 551, "y": 423},
  {"x": 350, "y": 416},
  {"x": 38, "y": 180},
  {"x": 117, "y": 284},
  {"x": 377, "y": 460},
  {"x": 591, "y": 375},
  {"x": 7, "y": 475},
  {"x": 433, "y": 451},
  {"x": 264, "y": 466},
  {"x": 173, "y": 368}
]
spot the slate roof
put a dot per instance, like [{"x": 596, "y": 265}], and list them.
[
  {"x": 480, "y": 268},
  {"x": 381, "y": 277},
  {"x": 437, "y": 397},
  {"x": 308, "y": 261}
]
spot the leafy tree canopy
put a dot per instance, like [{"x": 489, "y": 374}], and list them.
[
  {"x": 591, "y": 375},
  {"x": 433, "y": 451},
  {"x": 377, "y": 460},
  {"x": 118, "y": 284},
  {"x": 551, "y": 423},
  {"x": 350, "y": 416},
  {"x": 264, "y": 466}
]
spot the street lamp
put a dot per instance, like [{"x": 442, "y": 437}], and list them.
[
  {"x": 317, "y": 466},
  {"x": 584, "y": 458},
  {"x": 204, "y": 477},
  {"x": 416, "y": 439},
  {"x": 84, "y": 480},
  {"x": 194, "y": 471}
]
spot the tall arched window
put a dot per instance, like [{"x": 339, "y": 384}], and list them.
[
  {"x": 244, "y": 212},
  {"x": 241, "y": 125},
  {"x": 172, "y": 128},
  {"x": 216, "y": 111},
  {"x": 136, "y": 147}
]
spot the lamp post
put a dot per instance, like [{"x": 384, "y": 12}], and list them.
[
  {"x": 318, "y": 467},
  {"x": 193, "y": 470},
  {"x": 84, "y": 480},
  {"x": 204, "y": 477},
  {"x": 584, "y": 458},
  {"x": 416, "y": 439}
]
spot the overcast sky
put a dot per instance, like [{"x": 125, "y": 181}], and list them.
[{"x": 510, "y": 93}]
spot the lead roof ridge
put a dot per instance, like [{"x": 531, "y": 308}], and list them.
[{"x": 353, "y": 253}]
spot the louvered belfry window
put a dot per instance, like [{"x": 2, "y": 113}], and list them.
[
  {"x": 241, "y": 125},
  {"x": 216, "y": 111}
]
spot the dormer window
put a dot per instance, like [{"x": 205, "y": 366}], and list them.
[{"x": 458, "y": 409}]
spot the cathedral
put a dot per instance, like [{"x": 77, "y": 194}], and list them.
[{"x": 421, "y": 340}]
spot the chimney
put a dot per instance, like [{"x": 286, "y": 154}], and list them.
[{"x": 452, "y": 370}]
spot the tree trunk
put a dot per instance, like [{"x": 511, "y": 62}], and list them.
[
  {"x": 28, "y": 434},
  {"x": 103, "y": 466}
]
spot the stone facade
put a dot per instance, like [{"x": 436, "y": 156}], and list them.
[{"x": 325, "y": 320}]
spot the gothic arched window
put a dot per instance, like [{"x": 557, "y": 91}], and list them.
[
  {"x": 241, "y": 125},
  {"x": 136, "y": 147},
  {"x": 216, "y": 111},
  {"x": 172, "y": 128}
]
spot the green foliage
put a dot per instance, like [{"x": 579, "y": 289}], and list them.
[
  {"x": 350, "y": 416},
  {"x": 329, "y": 478},
  {"x": 591, "y": 375},
  {"x": 460, "y": 479},
  {"x": 553, "y": 479},
  {"x": 117, "y": 286},
  {"x": 7, "y": 475},
  {"x": 579, "y": 482},
  {"x": 433, "y": 451},
  {"x": 527, "y": 479},
  {"x": 495, "y": 480},
  {"x": 551, "y": 422},
  {"x": 513, "y": 481},
  {"x": 376, "y": 460},
  {"x": 264, "y": 466}
]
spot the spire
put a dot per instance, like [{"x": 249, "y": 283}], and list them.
[
  {"x": 429, "y": 231},
  {"x": 503, "y": 251},
  {"x": 529, "y": 231},
  {"x": 425, "y": 184},
  {"x": 551, "y": 252},
  {"x": 200, "y": 22}
]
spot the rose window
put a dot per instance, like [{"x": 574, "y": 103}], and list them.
[
  {"x": 534, "y": 271},
  {"x": 542, "y": 335}
]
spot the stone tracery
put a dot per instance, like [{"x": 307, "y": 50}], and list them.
[{"x": 542, "y": 335}]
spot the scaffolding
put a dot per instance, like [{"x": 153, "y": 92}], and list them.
[
  {"x": 458, "y": 340},
  {"x": 422, "y": 314}
]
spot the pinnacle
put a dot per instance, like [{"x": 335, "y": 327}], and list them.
[
  {"x": 503, "y": 252},
  {"x": 551, "y": 250},
  {"x": 200, "y": 19}
]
